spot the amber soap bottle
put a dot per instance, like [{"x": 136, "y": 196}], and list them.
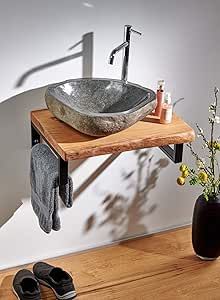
[{"x": 160, "y": 97}]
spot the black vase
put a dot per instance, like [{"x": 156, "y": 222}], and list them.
[{"x": 206, "y": 228}]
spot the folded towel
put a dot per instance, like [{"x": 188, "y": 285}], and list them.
[{"x": 45, "y": 188}]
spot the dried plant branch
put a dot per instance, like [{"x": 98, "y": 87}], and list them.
[
  {"x": 208, "y": 173},
  {"x": 198, "y": 158}
]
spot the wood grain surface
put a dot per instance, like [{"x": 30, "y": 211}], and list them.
[{"x": 71, "y": 144}]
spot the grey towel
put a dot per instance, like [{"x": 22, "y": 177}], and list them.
[{"x": 45, "y": 189}]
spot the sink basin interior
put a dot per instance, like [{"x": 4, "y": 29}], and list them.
[{"x": 101, "y": 96}]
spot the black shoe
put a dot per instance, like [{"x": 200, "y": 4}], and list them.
[
  {"x": 55, "y": 278},
  {"x": 25, "y": 286}
]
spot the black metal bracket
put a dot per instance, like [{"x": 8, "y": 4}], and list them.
[
  {"x": 175, "y": 153},
  {"x": 62, "y": 164},
  {"x": 35, "y": 136},
  {"x": 63, "y": 175}
]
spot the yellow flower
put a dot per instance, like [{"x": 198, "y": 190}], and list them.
[
  {"x": 185, "y": 173},
  {"x": 203, "y": 176},
  {"x": 215, "y": 145},
  {"x": 180, "y": 180},
  {"x": 183, "y": 168}
]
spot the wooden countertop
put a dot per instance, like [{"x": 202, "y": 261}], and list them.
[{"x": 71, "y": 144}]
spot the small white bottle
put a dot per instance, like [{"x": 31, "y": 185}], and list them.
[{"x": 167, "y": 110}]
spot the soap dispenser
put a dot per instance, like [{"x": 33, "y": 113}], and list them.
[{"x": 166, "y": 110}]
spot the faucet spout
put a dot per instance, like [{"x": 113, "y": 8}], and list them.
[
  {"x": 126, "y": 47},
  {"x": 116, "y": 50}
]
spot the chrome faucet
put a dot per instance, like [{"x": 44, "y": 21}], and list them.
[{"x": 125, "y": 46}]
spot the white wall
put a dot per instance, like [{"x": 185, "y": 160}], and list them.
[{"x": 180, "y": 43}]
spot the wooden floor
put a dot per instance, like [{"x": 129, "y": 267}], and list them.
[{"x": 157, "y": 267}]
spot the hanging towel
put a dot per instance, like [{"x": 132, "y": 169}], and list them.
[{"x": 45, "y": 189}]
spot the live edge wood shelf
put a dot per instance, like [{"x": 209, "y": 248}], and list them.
[{"x": 70, "y": 144}]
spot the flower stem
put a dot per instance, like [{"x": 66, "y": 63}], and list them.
[{"x": 213, "y": 152}]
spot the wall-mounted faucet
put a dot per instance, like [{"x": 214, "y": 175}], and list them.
[{"x": 125, "y": 46}]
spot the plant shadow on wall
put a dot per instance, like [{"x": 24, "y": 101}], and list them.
[
  {"x": 15, "y": 135},
  {"x": 127, "y": 215}
]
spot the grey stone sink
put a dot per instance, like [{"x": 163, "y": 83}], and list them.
[{"x": 97, "y": 106}]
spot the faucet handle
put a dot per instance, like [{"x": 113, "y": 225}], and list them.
[
  {"x": 128, "y": 29},
  {"x": 135, "y": 31}
]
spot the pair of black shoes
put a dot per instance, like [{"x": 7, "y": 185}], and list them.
[{"x": 26, "y": 285}]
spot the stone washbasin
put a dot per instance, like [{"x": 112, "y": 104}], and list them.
[{"x": 97, "y": 106}]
